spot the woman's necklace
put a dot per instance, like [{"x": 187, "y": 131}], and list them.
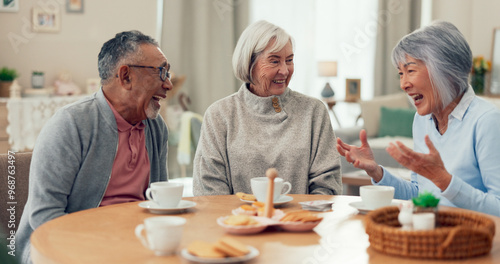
[{"x": 443, "y": 129}]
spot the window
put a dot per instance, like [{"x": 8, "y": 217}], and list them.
[{"x": 325, "y": 30}]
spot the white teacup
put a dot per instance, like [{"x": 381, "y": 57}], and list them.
[
  {"x": 259, "y": 188},
  {"x": 376, "y": 196},
  {"x": 163, "y": 234},
  {"x": 165, "y": 194}
]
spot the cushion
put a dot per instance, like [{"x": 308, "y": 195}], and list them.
[
  {"x": 396, "y": 122},
  {"x": 370, "y": 110}
]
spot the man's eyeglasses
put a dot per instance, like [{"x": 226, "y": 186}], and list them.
[{"x": 164, "y": 73}]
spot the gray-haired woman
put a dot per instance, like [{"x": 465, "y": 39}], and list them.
[
  {"x": 455, "y": 133},
  {"x": 266, "y": 124}
]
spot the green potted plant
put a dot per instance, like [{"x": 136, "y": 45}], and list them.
[
  {"x": 425, "y": 202},
  {"x": 7, "y": 76}
]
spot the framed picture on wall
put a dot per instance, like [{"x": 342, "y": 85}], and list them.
[
  {"x": 74, "y": 6},
  {"x": 9, "y": 5},
  {"x": 352, "y": 90},
  {"x": 46, "y": 20}
]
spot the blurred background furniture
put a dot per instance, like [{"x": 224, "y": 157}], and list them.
[{"x": 27, "y": 115}]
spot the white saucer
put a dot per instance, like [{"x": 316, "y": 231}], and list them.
[
  {"x": 156, "y": 209},
  {"x": 253, "y": 253},
  {"x": 363, "y": 209},
  {"x": 283, "y": 199}
]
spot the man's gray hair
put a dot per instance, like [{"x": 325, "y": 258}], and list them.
[
  {"x": 123, "y": 48},
  {"x": 253, "y": 41},
  {"x": 445, "y": 53}
]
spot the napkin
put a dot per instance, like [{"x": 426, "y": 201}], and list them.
[{"x": 318, "y": 205}]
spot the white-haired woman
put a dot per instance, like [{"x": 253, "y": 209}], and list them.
[
  {"x": 266, "y": 124},
  {"x": 455, "y": 133}
]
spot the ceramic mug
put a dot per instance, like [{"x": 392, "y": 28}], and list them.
[
  {"x": 163, "y": 234},
  {"x": 165, "y": 194},
  {"x": 424, "y": 221},
  {"x": 259, "y": 188},
  {"x": 376, "y": 196}
]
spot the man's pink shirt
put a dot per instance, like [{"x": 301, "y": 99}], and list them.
[{"x": 130, "y": 173}]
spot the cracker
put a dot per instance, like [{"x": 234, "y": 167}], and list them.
[
  {"x": 204, "y": 250},
  {"x": 228, "y": 250},
  {"x": 235, "y": 245},
  {"x": 300, "y": 216}
]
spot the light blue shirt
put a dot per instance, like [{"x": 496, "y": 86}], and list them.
[{"x": 470, "y": 150}]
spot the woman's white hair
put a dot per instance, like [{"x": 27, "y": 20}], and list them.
[
  {"x": 445, "y": 53},
  {"x": 253, "y": 41}
]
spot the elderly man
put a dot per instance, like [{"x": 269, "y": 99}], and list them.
[{"x": 107, "y": 148}]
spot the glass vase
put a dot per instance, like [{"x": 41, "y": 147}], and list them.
[{"x": 477, "y": 83}]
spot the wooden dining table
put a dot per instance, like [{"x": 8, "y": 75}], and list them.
[{"x": 106, "y": 235}]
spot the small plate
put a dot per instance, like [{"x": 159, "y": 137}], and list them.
[
  {"x": 156, "y": 209},
  {"x": 282, "y": 200},
  {"x": 362, "y": 208},
  {"x": 253, "y": 253}
]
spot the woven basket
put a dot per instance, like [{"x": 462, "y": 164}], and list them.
[{"x": 460, "y": 234}]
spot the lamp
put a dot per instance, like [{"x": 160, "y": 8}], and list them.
[{"x": 327, "y": 69}]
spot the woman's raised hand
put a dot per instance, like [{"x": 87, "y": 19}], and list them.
[{"x": 361, "y": 157}]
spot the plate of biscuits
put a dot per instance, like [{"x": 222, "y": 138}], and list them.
[
  {"x": 225, "y": 250},
  {"x": 257, "y": 209},
  {"x": 243, "y": 224},
  {"x": 299, "y": 221},
  {"x": 294, "y": 221}
]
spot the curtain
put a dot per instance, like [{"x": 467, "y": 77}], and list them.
[
  {"x": 396, "y": 18},
  {"x": 198, "y": 39}
]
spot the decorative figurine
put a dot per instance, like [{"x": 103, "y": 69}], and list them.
[
  {"x": 405, "y": 216},
  {"x": 65, "y": 86}
]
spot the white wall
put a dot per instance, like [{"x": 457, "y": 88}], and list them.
[
  {"x": 76, "y": 46},
  {"x": 474, "y": 18}
]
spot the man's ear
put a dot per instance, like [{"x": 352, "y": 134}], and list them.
[{"x": 124, "y": 75}]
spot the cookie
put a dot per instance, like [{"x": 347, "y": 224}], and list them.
[
  {"x": 258, "y": 204},
  {"x": 240, "y": 220},
  {"x": 246, "y": 196},
  {"x": 247, "y": 207},
  {"x": 204, "y": 250}
]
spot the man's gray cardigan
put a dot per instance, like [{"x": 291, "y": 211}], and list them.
[{"x": 72, "y": 161}]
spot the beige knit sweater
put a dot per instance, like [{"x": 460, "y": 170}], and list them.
[{"x": 243, "y": 135}]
